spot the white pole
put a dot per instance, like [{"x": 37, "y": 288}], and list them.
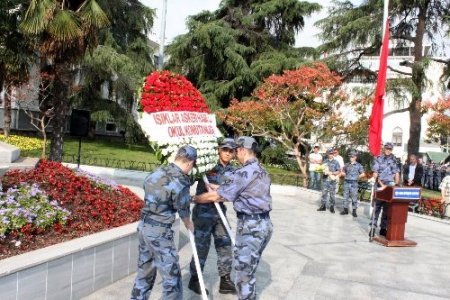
[
  {"x": 222, "y": 216},
  {"x": 162, "y": 36},
  {"x": 197, "y": 265},
  {"x": 385, "y": 16}
]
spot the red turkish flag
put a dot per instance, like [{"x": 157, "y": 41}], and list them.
[{"x": 376, "y": 118}]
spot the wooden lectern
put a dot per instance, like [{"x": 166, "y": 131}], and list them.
[{"x": 398, "y": 199}]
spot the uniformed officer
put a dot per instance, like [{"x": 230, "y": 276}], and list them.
[
  {"x": 207, "y": 222},
  {"x": 330, "y": 176},
  {"x": 429, "y": 175},
  {"x": 387, "y": 173},
  {"x": 352, "y": 172},
  {"x": 249, "y": 189},
  {"x": 166, "y": 192}
]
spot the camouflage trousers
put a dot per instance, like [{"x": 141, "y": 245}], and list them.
[
  {"x": 350, "y": 193},
  {"x": 328, "y": 191},
  {"x": 252, "y": 237},
  {"x": 157, "y": 252},
  {"x": 207, "y": 222}
]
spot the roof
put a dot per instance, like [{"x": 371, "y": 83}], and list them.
[{"x": 437, "y": 156}]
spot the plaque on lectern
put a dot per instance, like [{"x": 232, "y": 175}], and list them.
[{"x": 398, "y": 199}]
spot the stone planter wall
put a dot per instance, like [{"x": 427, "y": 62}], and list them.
[
  {"x": 77, "y": 268},
  {"x": 73, "y": 269}
]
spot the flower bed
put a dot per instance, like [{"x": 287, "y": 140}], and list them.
[
  {"x": 94, "y": 205},
  {"x": 22, "y": 142}
]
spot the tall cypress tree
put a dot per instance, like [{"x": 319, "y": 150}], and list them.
[{"x": 227, "y": 52}]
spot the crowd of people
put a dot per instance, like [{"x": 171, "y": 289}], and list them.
[{"x": 325, "y": 175}]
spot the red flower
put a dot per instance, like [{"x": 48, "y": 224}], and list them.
[{"x": 166, "y": 91}]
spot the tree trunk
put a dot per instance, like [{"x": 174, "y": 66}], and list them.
[
  {"x": 301, "y": 166},
  {"x": 7, "y": 111},
  {"x": 418, "y": 75},
  {"x": 61, "y": 89}
]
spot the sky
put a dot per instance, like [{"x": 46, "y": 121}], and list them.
[{"x": 179, "y": 10}]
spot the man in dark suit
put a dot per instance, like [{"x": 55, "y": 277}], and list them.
[{"x": 412, "y": 172}]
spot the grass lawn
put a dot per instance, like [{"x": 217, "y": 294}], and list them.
[{"x": 103, "y": 149}]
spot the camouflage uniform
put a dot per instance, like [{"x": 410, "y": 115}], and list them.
[
  {"x": 352, "y": 172},
  {"x": 329, "y": 186},
  {"x": 249, "y": 189},
  {"x": 386, "y": 167},
  {"x": 429, "y": 176},
  {"x": 207, "y": 221},
  {"x": 166, "y": 192}
]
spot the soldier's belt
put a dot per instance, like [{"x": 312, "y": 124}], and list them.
[
  {"x": 148, "y": 220},
  {"x": 351, "y": 180},
  {"x": 242, "y": 216}
]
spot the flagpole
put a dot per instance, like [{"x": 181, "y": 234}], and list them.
[{"x": 385, "y": 16}]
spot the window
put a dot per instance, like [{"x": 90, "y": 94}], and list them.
[
  {"x": 111, "y": 127},
  {"x": 397, "y": 136}
]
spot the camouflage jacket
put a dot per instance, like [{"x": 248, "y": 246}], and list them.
[{"x": 167, "y": 192}]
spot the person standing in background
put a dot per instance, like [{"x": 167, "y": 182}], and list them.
[
  {"x": 315, "y": 160},
  {"x": 352, "y": 172},
  {"x": 412, "y": 172},
  {"x": 330, "y": 177}
]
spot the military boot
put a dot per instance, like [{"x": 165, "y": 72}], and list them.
[
  {"x": 332, "y": 209},
  {"x": 344, "y": 212},
  {"x": 383, "y": 231},
  {"x": 226, "y": 285},
  {"x": 354, "y": 213},
  {"x": 372, "y": 232},
  {"x": 194, "y": 285},
  {"x": 322, "y": 208}
]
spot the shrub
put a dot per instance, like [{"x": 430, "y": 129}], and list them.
[
  {"x": 26, "y": 209},
  {"x": 95, "y": 204}
]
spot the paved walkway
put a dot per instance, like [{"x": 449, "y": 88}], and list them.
[{"x": 318, "y": 255}]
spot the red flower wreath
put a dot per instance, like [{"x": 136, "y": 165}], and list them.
[{"x": 166, "y": 91}]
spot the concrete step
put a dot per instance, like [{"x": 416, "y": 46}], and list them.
[{"x": 8, "y": 153}]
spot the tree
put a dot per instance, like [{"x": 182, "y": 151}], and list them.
[
  {"x": 63, "y": 31},
  {"x": 291, "y": 107},
  {"x": 120, "y": 62},
  {"x": 439, "y": 121},
  {"x": 26, "y": 101},
  {"x": 15, "y": 56},
  {"x": 226, "y": 53},
  {"x": 353, "y": 31}
]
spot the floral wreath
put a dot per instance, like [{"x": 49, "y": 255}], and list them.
[{"x": 168, "y": 98}]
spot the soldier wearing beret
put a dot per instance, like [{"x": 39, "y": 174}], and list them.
[
  {"x": 166, "y": 193},
  {"x": 352, "y": 172},
  {"x": 207, "y": 223},
  {"x": 248, "y": 188},
  {"x": 387, "y": 173}
]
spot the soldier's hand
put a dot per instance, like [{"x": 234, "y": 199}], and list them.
[
  {"x": 188, "y": 224},
  {"x": 213, "y": 187}
]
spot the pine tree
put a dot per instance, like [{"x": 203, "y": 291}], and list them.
[{"x": 227, "y": 52}]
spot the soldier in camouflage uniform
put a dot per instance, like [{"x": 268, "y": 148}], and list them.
[
  {"x": 331, "y": 173},
  {"x": 429, "y": 175},
  {"x": 387, "y": 173},
  {"x": 166, "y": 192},
  {"x": 249, "y": 189},
  {"x": 353, "y": 171},
  {"x": 207, "y": 222}
]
